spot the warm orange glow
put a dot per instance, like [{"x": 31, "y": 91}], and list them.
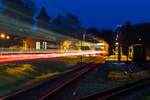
[
  {"x": 2, "y": 35},
  {"x": 7, "y": 37},
  {"x": 117, "y": 43}
]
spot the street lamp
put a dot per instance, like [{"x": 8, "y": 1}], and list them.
[
  {"x": 117, "y": 43},
  {"x": 8, "y": 37},
  {"x": 2, "y": 35}
]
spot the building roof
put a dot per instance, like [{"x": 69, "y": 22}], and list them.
[
  {"x": 43, "y": 15},
  {"x": 15, "y": 22}
]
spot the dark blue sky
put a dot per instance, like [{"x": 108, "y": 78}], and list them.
[{"x": 103, "y": 14}]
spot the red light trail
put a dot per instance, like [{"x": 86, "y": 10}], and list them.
[{"x": 19, "y": 57}]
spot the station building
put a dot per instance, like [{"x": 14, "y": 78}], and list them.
[{"x": 29, "y": 32}]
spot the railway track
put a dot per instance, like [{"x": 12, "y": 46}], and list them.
[
  {"x": 118, "y": 92},
  {"x": 49, "y": 88}
]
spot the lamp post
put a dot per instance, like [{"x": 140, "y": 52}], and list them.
[
  {"x": 4, "y": 36},
  {"x": 82, "y": 42},
  {"x": 119, "y": 37},
  {"x": 8, "y": 37}
]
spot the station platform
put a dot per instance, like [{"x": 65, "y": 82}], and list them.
[{"x": 115, "y": 58}]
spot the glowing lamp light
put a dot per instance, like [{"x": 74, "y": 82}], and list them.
[
  {"x": 100, "y": 43},
  {"x": 117, "y": 43},
  {"x": 2, "y": 35},
  {"x": 7, "y": 37}
]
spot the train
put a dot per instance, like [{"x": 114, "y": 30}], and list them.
[{"x": 137, "y": 52}]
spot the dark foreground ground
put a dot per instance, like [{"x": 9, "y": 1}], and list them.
[
  {"x": 104, "y": 77},
  {"x": 17, "y": 75},
  {"x": 21, "y": 74}
]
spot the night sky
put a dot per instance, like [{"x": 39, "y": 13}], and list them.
[{"x": 103, "y": 14}]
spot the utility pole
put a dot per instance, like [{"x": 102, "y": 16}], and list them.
[
  {"x": 84, "y": 37},
  {"x": 119, "y": 37},
  {"x": 82, "y": 42}
]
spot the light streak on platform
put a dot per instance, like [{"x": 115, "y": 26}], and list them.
[{"x": 19, "y": 57}]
